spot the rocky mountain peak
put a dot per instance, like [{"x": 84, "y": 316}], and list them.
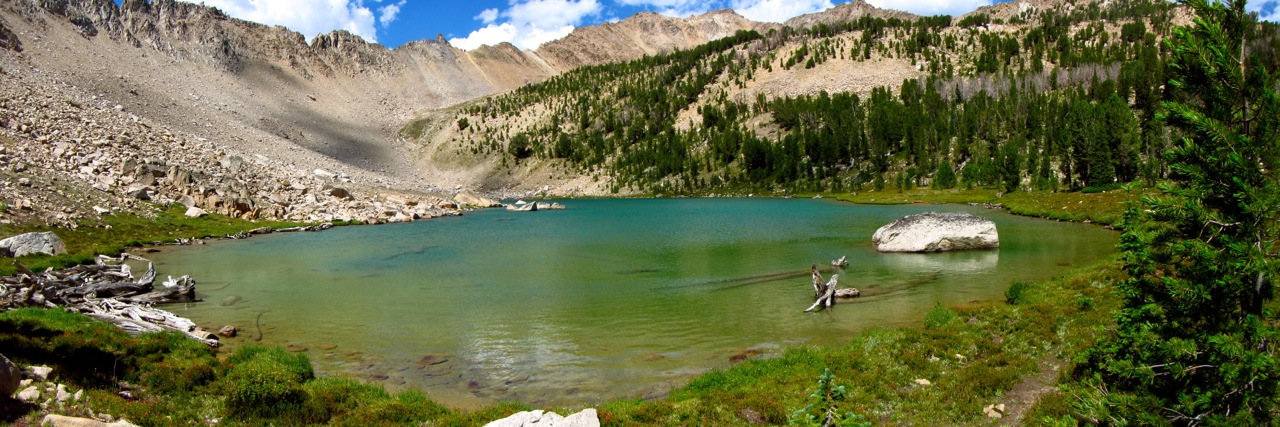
[
  {"x": 846, "y": 12},
  {"x": 338, "y": 39},
  {"x": 643, "y": 34}
]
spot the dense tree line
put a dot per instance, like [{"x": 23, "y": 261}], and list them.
[{"x": 1041, "y": 107}]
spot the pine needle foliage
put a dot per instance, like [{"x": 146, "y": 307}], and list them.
[
  {"x": 1195, "y": 342},
  {"x": 823, "y": 409}
]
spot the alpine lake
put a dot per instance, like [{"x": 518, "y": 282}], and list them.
[{"x": 607, "y": 299}]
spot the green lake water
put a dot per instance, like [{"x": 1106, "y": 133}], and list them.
[{"x": 607, "y": 299}]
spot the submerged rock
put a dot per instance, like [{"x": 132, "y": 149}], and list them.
[{"x": 937, "y": 232}]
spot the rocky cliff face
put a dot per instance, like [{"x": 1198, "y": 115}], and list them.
[
  {"x": 640, "y": 35},
  {"x": 846, "y": 12}
]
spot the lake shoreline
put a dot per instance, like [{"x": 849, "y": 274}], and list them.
[
  {"x": 875, "y": 278},
  {"x": 677, "y": 388}
]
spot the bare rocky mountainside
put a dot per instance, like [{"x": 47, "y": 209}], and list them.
[{"x": 102, "y": 106}]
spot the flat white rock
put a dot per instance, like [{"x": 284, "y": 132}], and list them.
[{"x": 937, "y": 232}]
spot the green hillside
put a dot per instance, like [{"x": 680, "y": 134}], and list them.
[{"x": 1043, "y": 100}]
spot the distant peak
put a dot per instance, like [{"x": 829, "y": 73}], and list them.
[{"x": 336, "y": 39}]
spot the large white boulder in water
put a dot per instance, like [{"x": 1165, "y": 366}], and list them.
[
  {"x": 32, "y": 243},
  {"x": 936, "y": 232}
]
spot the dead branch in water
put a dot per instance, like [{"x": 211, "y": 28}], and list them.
[{"x": 107, "y": 291}]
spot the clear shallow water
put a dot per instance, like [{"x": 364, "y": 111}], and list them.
[{"x": 608, "y": 299}]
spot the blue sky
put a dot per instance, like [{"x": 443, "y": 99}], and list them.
[{"x": 468, "y": 24}]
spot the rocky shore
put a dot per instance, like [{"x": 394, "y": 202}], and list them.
[{"x": 67, "y": 158}]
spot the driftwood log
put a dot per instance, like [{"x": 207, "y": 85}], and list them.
[
  {"x": 107, "y": 291},
  {"x": 825, "y": 292},
  {"x": 186, "y": 241}
]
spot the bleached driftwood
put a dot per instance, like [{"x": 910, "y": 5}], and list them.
[
  {"x": 827, "y": 299},
  {"x": 107, "y": 291},
  {"x": 825, "y": 294},
  {"x": 818, "y": 288}
]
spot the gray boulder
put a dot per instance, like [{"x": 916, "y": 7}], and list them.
[
  {"x": 232, "y": 163},
  {"x": 937, "y": 232},
  {"x": 10, "y": 377},
  {"x": 32, "y": 243}
]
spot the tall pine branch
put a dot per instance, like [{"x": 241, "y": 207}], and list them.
[{"x": 1195, "y": 343}]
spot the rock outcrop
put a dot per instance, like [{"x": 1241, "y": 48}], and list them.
[
  {"x": 936, "y": 232},
  {"x": 645, "y": 33},
  {"x": 468, "y": 199},
  {"x": 846, "y": 12},
  {"x": 538, "y": 418},
  {"x": 32, "y": 243},
  {"x": 10, "y": 377}
]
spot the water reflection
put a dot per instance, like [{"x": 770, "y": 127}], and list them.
[{"x": 969, "y": 262}]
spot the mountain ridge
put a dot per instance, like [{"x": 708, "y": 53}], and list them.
[{"x": 335, "y": 103}]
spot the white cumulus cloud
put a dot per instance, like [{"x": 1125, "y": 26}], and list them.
[
  {"x": 778, "y": 10},
  {"x": 487, "y": 16},
  {"x": 1267, "y": 10},
  {"x": 529, "y": 23},
  {"x": 390, "y": 12},
  {"x": 309, "y": 17},
  {"x": 932, "y": 7}
]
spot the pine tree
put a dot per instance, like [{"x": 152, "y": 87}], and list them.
[{"x": 1195, "y": 343}]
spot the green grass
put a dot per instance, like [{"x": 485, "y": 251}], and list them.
[
  {"x": 1100, "y": 207},
  {"x": 116, "y": 233},
  {"x": 972, "y": 356},
  {"x": 971, "y": 360}
]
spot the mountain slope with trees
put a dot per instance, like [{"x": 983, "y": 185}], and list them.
[{"x": 1060, "y": 97}]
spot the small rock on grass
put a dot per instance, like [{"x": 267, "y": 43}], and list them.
[
  {"x": 994, "y": 410},
  {"x": 39, "y": 372},
  {"x": 29, "y": 395}
]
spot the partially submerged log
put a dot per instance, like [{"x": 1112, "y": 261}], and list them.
[
  {"x": 827, "y": 299},
  {"x": 818, "y": 287},
  {"x": 107, "y": 291},
  {"x": 826, "y": 293}
]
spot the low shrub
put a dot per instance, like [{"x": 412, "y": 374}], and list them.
[
  {"x": 938, "y": 316},
  {"x": 1016, "y": 293},
  {"x": 408, "y": 408},
  {"x": 265, "y": 382},
  {"x": 295, "y": 364}
]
